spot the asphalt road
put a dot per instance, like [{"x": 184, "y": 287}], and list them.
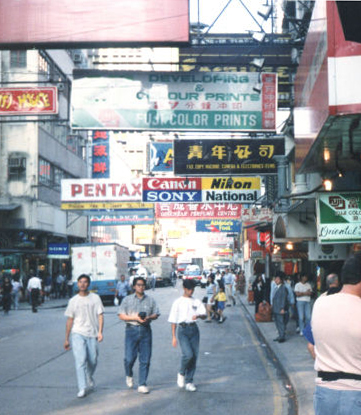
[{"x": 235, "y": 374}]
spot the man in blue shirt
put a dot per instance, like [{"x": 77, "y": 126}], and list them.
[{"x": 122, "y": 289}]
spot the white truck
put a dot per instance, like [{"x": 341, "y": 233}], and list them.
[
  {"x": 104, "y": 263},
  {"x": 163, "y": 266}
]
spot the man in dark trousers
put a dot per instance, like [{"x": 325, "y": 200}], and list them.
[
  {"x": 138, "y": 310},
  {"x": 280, "y": 308}
]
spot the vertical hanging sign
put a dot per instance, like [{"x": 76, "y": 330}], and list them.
[
  {"x": 100, "y": 155},
  {"x": 269, "y": 101}
]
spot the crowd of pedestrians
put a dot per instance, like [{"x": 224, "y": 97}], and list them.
[{"x": 33, "y": 288}]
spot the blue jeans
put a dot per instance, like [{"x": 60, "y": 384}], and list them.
[
  {"x": 304, "y": 314},
  {"x": 85, "y": 351},
  {"x": 138, "y": 340},
  {"x": 188, "y": 338},
  {"x": 337, "y": 402}
]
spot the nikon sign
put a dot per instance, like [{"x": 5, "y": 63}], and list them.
[
  {"x": 339, "y": 217},
  {"x": 204, "y": 190},
  {"x": 219, "y": 101}
]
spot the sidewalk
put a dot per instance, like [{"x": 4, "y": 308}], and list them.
[
  {"x": 52, "y": 303},
  {"x": 294, "y": 357}
]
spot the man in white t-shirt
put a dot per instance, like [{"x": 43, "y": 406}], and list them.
[
  {"x": 184, "y": 313},
  {"x": 303, "y": 291},
  {"x": 228, "y": 280},
  {"x": 337, "y": 336},
  {"x": 85, "y": 323}
]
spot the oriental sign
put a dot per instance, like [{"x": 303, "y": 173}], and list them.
[
  {"x": 249, "y": 156},
  {"x": 339, "y": 217}
]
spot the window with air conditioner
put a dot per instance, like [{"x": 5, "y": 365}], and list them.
[{"x": 17, "y": 168}]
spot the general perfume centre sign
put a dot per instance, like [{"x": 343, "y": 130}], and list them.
[{"x": 339, "y": 217}]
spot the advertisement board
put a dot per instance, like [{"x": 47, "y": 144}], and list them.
[
  {"x": 93, "y": 22},
  {"x": 160, "y": 157},
  {"x": 218, "y": 225},
  {"x": 29, "y": 101},
  {"x": 205, "y": 190},
  {"x": 181, "y": 101},
  {"x": 87, "y": 207},
  {"x": 58, "y": 250},
  {"x": 100, "y": 190},
  {"x": 125, "y": 217},
  {"x": 225, "y": 157},
  {"x": 328, "y": 252},
  {"x": 197, "y": 210},
  {"x": 339, "y": 217},
  {"x": 100, "y": 155}
]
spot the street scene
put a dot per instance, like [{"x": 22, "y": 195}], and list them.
[
  {"x": 180, "y": 207},
  {"x": 235, "y": 370}
]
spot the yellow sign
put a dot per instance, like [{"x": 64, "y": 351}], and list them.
[
  {"x": 234, "y": 183},
  {"x": 106, "y": 205}
]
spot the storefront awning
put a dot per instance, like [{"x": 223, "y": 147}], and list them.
[{"x": 9, "y": 206}]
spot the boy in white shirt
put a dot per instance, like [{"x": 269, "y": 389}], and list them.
[{"x": 184, "y": 313}]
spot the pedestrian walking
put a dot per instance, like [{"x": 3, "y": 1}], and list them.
[
  {"x": 6, "y": 292},
  {"x": 303, "y": 291},
  {"x": 16, "y": 292},
  {"x": 338, "y": 345},
  {"x": 280, "y": 308},
  {"x": 85, "y": 322},
  {"x": 228, "y": 281},
  {"x": 220, "y": 299},
  {"x": 183, "y": 315},
  {"x": 258, "y": 289},
  {"x": 47, "y": 286},
  {"x": 59, "y": 286},
  {"x": 122, "y": 289},
  {"x": 138, "y": 310},
  {"x": 211, "y": 290},
  {"x": 34, "y": 288},
  {"x": 153, "y": 280}
]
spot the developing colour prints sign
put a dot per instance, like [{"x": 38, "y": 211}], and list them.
[
  {"x": 28, "y": 101},
  {"x": 214, "y": 101},
  {"x": 205, "y": 190},
  {"x": 339, "y": 217}
]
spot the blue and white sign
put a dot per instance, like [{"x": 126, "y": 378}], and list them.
[
  {"x": 161, "y": 157},
  {"x": 218, "y": 225},
  {"x": 58, "y": 250},
  {"x": 124, "y": 217}
]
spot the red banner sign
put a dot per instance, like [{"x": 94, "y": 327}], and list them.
[
  {"x": 25, "y": 101},
  {"x": 197, "y": 210}
]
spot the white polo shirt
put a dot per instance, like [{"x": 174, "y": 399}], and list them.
[{"x": 184, "y": 309}]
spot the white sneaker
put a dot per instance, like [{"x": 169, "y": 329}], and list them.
[
  {"x": 81, "y": 393},
  {"x": 143, "y": 389},
  {"x": 129, "y": 381},
  {"x": 190, "y": 387},
  {"x": 301, "y": 334},
  {"x": 180, "y": 381}
]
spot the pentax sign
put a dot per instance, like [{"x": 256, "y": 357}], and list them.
[
  {"x": 100, "y": 190},
  {"x": 29, "y": 101}
]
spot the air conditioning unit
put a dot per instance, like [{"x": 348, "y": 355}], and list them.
[{"x": 77, "y": 58}]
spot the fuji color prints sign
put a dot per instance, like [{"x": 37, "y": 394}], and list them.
[
  {"x": 217, "y": 101},
  {"x": 29, "y": 101},
  {"x": 100, "y": 190},
  {"x": 339, "y": 218},
  {"x": 206, "y": 190}
]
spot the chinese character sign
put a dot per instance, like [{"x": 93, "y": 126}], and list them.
[
  {"x": 198, "y": 210},
  {"x": 28, "y": 101},
  {"x": 178, "y": 101},
  {"x": 100, "y": 155},
  {"x": 246, "y": 156}
]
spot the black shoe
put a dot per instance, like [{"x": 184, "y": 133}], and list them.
[
  {"x": 281, "y": 340},
  {"x": 276, "y": 339}
]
